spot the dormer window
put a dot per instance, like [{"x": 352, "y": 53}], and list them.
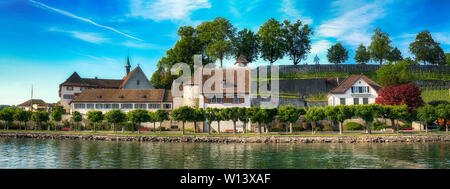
[
  {"x": 100, "y": 96},
  {"x": 121, "y": 96},
  {"x": 145, "y": 96}
]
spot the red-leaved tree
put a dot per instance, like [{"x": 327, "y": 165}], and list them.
[{"x": 408, "y": 94}]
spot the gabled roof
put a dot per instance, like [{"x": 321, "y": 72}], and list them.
[
  {"x": 35, "y": 101},
  {"x": 228, "y": 84},
  {"x": 76, "y": 80},
  {"x": 242, "y": 59},
  {"x": 127, "y": 77},
  {"x": 123, "y": 95},
  {"x": 352, "y": 79}
]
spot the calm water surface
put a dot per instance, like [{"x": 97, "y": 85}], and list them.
[{"x": 74, "y": 154}]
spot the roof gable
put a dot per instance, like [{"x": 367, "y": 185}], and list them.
[
  {"x": 136, "y": 74},
  {"x": 352, "y": 79}
]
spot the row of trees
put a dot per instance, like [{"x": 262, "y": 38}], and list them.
[
  {"x": 218, "y": 39},
  {"x": 286, "y": 114},
  {"x": 424, "y": 48},
  {"x": 8, "y": 115}
]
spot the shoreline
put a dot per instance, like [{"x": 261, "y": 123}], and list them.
[{"x": 416, "y": 138}]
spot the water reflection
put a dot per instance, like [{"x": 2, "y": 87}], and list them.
[{"x": 33, "y": 153}]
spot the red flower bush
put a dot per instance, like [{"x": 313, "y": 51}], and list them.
[{"x": 408, "y": 94}]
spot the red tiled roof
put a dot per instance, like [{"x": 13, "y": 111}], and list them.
[
  {"x": 242, "y": 60},
  {"x": 76, "y": 80},
  {"x": 123, "y": 95},
  {"x": 35, "y": 101},
  {"x": 350, "y": 80}
]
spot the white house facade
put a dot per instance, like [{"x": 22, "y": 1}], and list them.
[{"x": 354, "y": 90}]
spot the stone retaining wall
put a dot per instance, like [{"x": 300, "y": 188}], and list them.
[{"x": 234, "y": 139}]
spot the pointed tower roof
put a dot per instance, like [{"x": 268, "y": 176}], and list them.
[
  {"x": 74, "y": 78},
  {"x": 242, "y": 59},
  {"x": 128, "y": 62}
]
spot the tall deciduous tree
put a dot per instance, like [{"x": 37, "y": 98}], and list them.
[
  {"x": 246, "y": 43},
  {"x": 244, "y": 117},
  {"x": 380, "y": 47},
  {"x": 297, "y": 40},
  {"x": 233, "y": 115},
  {"x": 337, "y": 54},
  {"x": 22, "y": 116},
  {"x": 115, "y": 117},
  {"x": 7, "y": 115},
  {"x": 272, "y": 42},
  {"x": 39, "y": 117},
  {"x": 56, "y": 114},
  {"x": 367, "y": 113},
  {"x": 316, "y": 60},
  {"x": 183, "y": 114},
  {"x": 211, "y": 115},
  {"x": 443, "y": 112},
  {"x": 217, "y": 36},
  {"x": 94, "y": 117},
  {"x": 362, "y": 55},
  {"x": 343, "y": 113},
  {"x": 407, "y": 94},
  {"x": 199, "y": 115},
  {"x": 161, "y": 115},
  {"x": 138, "y": 116},
  {"x": 77, "y": 118},
  {"x": 314, "y": 114},
  {"x": 447, "y": 59},
  {"x": 395, "y": 55},
  {"x": 257, "y": 115},
  {"x": 425, "y": 49}
]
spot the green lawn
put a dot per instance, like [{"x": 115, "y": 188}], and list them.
[{"x": 431, "y": 95}]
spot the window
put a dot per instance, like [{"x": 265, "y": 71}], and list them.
[
  {"x": 98, "y": 106},
  {"x": 140, "y": 106},
  {"x": 360, "y": 89},
  {"x": 107, "y": 106},
  {"x": 82, "y": 88},
  {"x": 115, "y": 106},
  {"x": 342, "y": 101},
  {"x": 154, "y": 106},
  {"x": 80, "y": 106},
  {"x": 167, "y": 106},
  {"x": 126, "y": 106},
  {"x": 69, "y": 88},
  {"x": 355, "y": 101},
  {"x": 137, "y": 82},
  {"x": 365, "y": 101},
  {"x": 67, "y": 96},
  {"x": 90, "y": 106},
  {"x": 236, "y": 100}
]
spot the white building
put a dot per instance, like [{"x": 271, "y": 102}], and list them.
[{"x": 354, "y": 90}]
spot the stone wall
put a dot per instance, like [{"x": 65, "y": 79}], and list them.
[{"x": 235, "y": 139}]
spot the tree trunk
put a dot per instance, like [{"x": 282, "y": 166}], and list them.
[
  {"x": 313, "y": 125},
  {"x": 291, "y": 128},
  {"x": 368, "y": 128},
  {"x": 195, "y": 126},
  {"x": 218, "y": 127},
  {"x": 154, "y": 127},
  {"x": 221, "y": 63},
  {"x": 341, "y": 128},
  {"x": 259, "y": 128},
  {"x": 397, "y": 127},
  {"x": 234, "y": 127},
  {"x": 160, "y": 127},
  {"x": 139, "y": 128},
  {"x": 244, "y": 127},
  {"x": 182, "y": 128},
  {"x": 209, "y": 128},
  {"x": 426, "y": 127},
  {"x": 393, "y": 125}
]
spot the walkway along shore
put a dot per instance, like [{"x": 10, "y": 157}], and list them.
[{"x": 233, "y": 139}]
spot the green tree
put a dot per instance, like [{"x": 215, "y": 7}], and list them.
[
  {"x": 115, "y": 117},
  {"x": 426, "y": 114},
  {"x": 362, "y": 55},
  {"x": 314, "y": 114},
  {"x": 367, "y": 113},
  {"x": 272, "y": 43},
  {"x": 269, "y": 116},
  {"x": 244, "y": 117},
  {"x": 94, "y": 117},
  {"x": 22, "y": 116},
  {"x": 393, "y": 74},
  {"x": 39, "y": 117},
  {"x": 395, "y": 55},
  {"x": 289, "y": 114},
  {"x": 183, "y": 114},
  {"x": 199, "y": 115},
  {"x": 447, "y": 59},
  {"x": 211, "y": 115},
  {"x": 443, "y": 112},
  {"x": 380, "y": 47},
  {"x": 246, "y": 43},
  {"x": 152, "y": 119},
  {"x": 77, "y": 118},
  {"x": 425, "y": 49},
  {"x": 257, "y": 115},
  {"x": 297, "y": 40},
  {"x": 7, "y": 115},
  {"x": 233, "y": 115},
  {"x": 138, "y": 116},
  {"x": 337, "y": 54},
  {"x": 393, "y": 113},
  {"x": 161, "y": 115},
  {"x": 343, "y": 113},
  {"x": 316, "y": 60},
  {"x": 217, "y": 36},
  {"x": 56, "y": 114}
]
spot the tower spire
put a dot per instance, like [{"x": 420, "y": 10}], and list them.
[{"x": 128, "y": 66}]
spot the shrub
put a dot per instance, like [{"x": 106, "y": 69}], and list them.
[
  {"x": 353, "y": 126},
  {"x": 298, "y": 128},
  {"x": 378, "y": 126},
  {"x": 437, "y": 102},
  {"x": 327, "y": 127},
  {"x": 277, "y": 129}
]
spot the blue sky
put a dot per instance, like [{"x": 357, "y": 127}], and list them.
[{"x": 44, "y": 41}]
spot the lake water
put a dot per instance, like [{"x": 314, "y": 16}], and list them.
[{"x": 75, "y": 154}]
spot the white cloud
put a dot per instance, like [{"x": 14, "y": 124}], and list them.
[
  {"x": 141, "y": 45},
  {"x": 442, "y": 37},
  {"x": 166, "y": 9},
  {"x": 44, "y": 6},
  {"x": 291, "y": 13},
  {"x": 320, "y": 46},
  {"x": 354, "y": 26},
  {"x": 85, "y": 36}
]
